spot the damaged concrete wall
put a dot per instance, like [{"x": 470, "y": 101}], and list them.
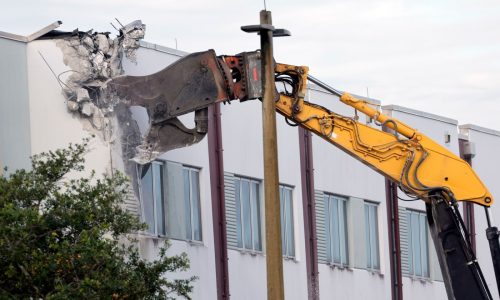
[
  {"x": 94, "y": 58},
  {"x": 95, "y": 90}
]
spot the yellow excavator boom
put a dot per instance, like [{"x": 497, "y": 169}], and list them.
[{"x": 406, "y": 156}]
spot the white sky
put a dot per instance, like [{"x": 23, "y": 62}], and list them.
[{"x": 441, "y": 56}]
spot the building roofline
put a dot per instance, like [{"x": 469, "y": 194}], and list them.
[
  {"x": 420, "y": 113},
  {"x": 479, "y": 129},
  {"x": 163, "y": 49},
  {"x": 315, "y": 87},
  {"x": 31, "y": 37},
  {"x": 13, "y": 37},
  {"x": 44, "y": 31}
]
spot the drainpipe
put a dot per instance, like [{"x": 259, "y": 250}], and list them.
[
  {"x": 309, "y": 212},
  {"x": 391, "y": 192},
  {"x": 216, "y": 166},
  {"x": 466, "y": 154},
  {"x": 391, "y": 199}
]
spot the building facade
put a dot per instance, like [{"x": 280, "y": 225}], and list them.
[{"x": 208, "y": 198}]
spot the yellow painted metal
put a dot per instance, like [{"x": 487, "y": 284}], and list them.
[
  {"x": 410, "y": 158},
  {"x": 365, "y": 108},
  {"x": 300, "y": 73}
]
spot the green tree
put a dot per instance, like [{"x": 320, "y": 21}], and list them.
[{"x": 64, "y": 238}]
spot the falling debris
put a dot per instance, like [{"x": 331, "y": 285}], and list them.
[
  {"x": 87, "y": 109},
  {"x": 82, "y": 95},
  {"x": 73, "y": 105},
  {"x": 131, "y": 35}
]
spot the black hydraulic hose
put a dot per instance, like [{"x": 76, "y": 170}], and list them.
[{"x": 324, "y": 85}]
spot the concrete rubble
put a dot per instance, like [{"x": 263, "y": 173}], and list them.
[
  {"x": 132, "y": 33},
  {"x": 95, "y": 58}
]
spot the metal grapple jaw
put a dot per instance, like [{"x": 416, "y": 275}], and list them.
[
  {"x": 191, "y": 84},
  {"x": 171, "y": 134}
]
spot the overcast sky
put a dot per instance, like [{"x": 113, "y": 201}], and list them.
[{"x": 440, "y": 56}]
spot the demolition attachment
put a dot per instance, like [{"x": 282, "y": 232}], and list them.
[{"x": 190, "y": 84}]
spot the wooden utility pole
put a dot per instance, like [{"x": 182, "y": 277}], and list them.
[{"x": 274, "y": 256}]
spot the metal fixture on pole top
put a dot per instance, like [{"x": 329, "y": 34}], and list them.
[{"x": 274, "y": 256}]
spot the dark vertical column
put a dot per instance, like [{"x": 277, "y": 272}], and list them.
[
  {"x": 391, "y": 191},
  {"x": 392, "y": 204},
  {"x": 218, "y": 200},
  {"x": 468, "y": 207},
  {"x": 309, "y": 211}
]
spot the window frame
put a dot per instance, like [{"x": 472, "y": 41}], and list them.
[
  {"x": 370, "y": 265},
  {"x": 191, "y": 169},
  {"x": 284, "y": 237},
  {"x": 240, "y": 217},
  {"x": 422, "y": 219},
  {"x": 151, "y": 169},
  {"x": 163, "y": 182},
  {"x": 344, "y": 260}
]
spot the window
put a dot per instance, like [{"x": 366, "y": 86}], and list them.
[
  {"x": 192, "y": 203},
  {"x": 286, "y": 209},
  {"x": 336, "y": 230},
  {"x": 170, "y": 195},
  {"x": 247, "y": 204},
  {"x": 371, "y": 235},
  {"x": 418, "y": 255},
  {"x": 152, "y": 198}
]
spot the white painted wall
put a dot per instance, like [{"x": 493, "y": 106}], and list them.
[
  {"x": 14, "y": 106},
  {"x": 486, "y": 164}
]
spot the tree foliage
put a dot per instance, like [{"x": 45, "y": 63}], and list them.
[{"x": 64, "y": 238}]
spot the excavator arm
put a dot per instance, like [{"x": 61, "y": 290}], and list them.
[
  {"x": 421, "y": 167},
  {"x": 417, "y": 163}
]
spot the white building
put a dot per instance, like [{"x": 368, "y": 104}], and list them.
[{"x": 336, "y": 239}]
